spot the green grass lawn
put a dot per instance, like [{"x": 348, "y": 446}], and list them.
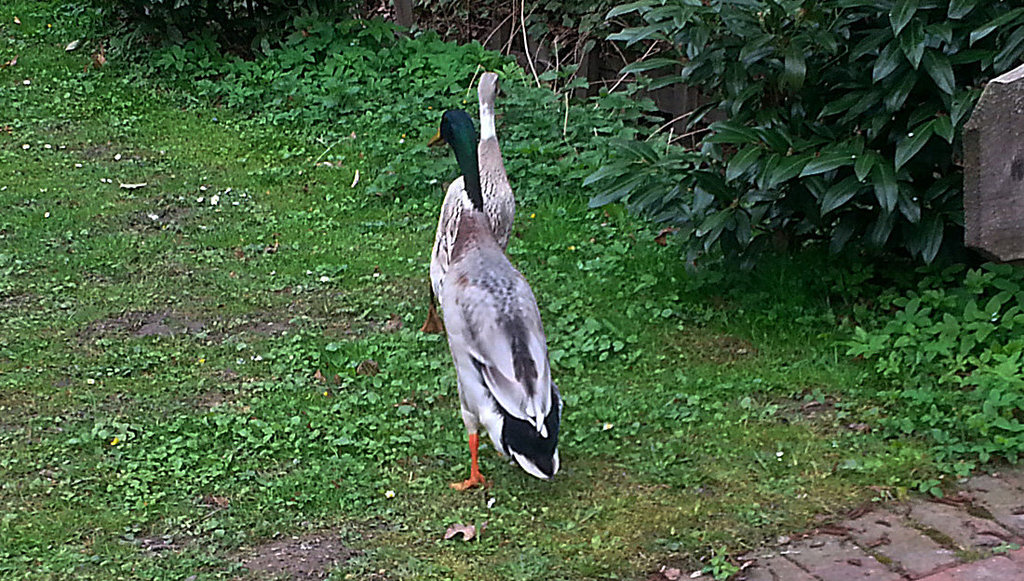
[{"x": 178, "y": 361}]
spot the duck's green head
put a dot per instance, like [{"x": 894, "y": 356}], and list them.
[{"x": 458, "y": 132}]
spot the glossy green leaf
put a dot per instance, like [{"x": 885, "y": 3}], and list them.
[
  {"x": 901, "y": 13},
  {"x": 788, "y": 168},
  {"x": 828, "y": 161},
  {"x": 840, "y": 105},
  {"x": 731, "y": 132},
  {"x": 742, "y": 161},
  {"x": 839, "y": 194},
  {"x": 932, "y": 231},
  {"x": 883, "y": 178},
  {"x": 776, "y": 138},
  {"x": 908, "y": 147},
  {"x": 887, "y": 61},
  {"x": 865, "y": 162},
  {"x": 960, "y": 8},
  {"x": 943, "y": 128},
  {"x": 937, "y": 32},
  {"x": 963, "y": 101},
  {"x": 908, "y": 203},
  {"x": 640, "y": 6},
  {"x": 879, "y": 231},
  {"x": 768, "y": 167},
  {"x": 795, "y": 68},
  {"x": 870, "y": 43},
  {"x": 713, "y": 184},
  {"x": 938, "y": 68},
  {"x": 755, "y": 51},
  {"x": 844, "y": 231},
  {"x": 899, "y": 92},
  {"x": 1012, "y": 51},
  {"x": 649, "y": 64},
  {"x": 617, "y": 190},
  {"x": 912, "y": 42},
  {"x": 635, "y": 35},
  {"x": 604, "y": 172},
  {"x": 983, "y": 31},
  {"x": 640, "y": 150}
]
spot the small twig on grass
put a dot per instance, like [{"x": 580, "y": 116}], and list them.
[{"x": 326, "y": 151}]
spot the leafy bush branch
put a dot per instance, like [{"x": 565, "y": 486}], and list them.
[{"x": 843, "y": 119}]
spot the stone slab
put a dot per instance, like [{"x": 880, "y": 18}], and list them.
[
  {"x": 1013, "y": 477},
  {"x": 991, "y": 569},
  {"x": 774, "y": 567},
  {"x": 1001, "y": 499},
  {"x": 886, "y": 534},
  {"x": 967, "y": 531},
  {"x": 831, "y": 558},
  {"x": 994, "y": 170}
]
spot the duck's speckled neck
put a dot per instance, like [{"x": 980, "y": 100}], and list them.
[{"x": 486, "y": 93}]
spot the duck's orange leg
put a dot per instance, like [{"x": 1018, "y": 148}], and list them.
[
  {"x": 475, "y": 478},
  {"x": 433, "y": 323}
]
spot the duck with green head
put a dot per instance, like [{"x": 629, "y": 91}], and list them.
[
  {"x": 499, "y": 201},
  {"x": 495, "y": 333}
]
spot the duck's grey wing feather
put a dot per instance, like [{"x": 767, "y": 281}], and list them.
[
  {"x": 447, "y": 228},
  {"x": 497, "y": 323}
]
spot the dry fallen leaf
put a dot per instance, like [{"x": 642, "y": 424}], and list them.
[
  {"x": 368, "y": 367},
  {"x": 319, "y": 376},
  {"x": 17, "y": 20},
  {"x": 393, "y": 324},
  {"x": 99, "y": 58},
  {"x": 219, "y": 501},
  {"x": 467, "y": 532},
  {"x": 661, "y": 238},
  {"x": 10, "y": 63}
]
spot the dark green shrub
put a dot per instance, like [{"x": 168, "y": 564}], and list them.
[
  {"x": 844, "y": 118},
  {"x": 239, "y": 24}
]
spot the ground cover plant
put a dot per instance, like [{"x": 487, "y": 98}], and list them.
[{"x": 222, "y": 365}]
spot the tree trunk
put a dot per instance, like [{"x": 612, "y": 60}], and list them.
[{"x": 403, "y": 13}]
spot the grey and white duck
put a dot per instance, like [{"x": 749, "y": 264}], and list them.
[
  {"x": 499, "y": 200},
  {"x": 495, "y": 333}
]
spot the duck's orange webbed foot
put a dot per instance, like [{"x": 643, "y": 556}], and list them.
[
  {"x": 475, "y": 477},
  {"x": 471, "y": 482}
]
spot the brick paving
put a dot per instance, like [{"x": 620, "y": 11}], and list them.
[{"x": 973, "y": 536}]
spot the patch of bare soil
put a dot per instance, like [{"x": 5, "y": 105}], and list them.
[
  {"x": 17, "y": 302},
  {"x": 158, "y": 219},
  {"x": 311, "y": 556},
  {"x": 217, "y": 397},
  {"x": 98, "y": 151},
  {"x": 714, "y": 347},
  {"x": 144, "y": 324},
  {"x": 264, "y": 327}
]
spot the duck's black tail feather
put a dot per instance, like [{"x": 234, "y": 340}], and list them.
[{"x": 535, "y": 454}]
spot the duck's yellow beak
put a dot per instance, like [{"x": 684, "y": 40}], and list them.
[{"x": 436, "y": 139}]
